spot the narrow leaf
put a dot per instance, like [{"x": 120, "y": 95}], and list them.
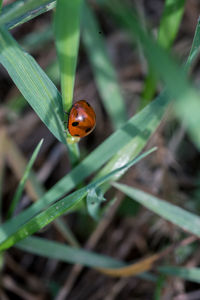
[
  {"x": 22, "y": 11},
  {"x": 67, "y": 32},
  {"x": 169, "y": 25},
  {"x": 103, "y": 69},
  {"x": 22, "y": 183},
  {"x": 190, "y": 274},
  {"x": 170, "y": 21},
  {"x": 33, "y": 83},
  {"x": 178, "y": 216},
  {"x": 66, "y": 253}
]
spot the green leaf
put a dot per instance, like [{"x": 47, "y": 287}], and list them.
[
  {"x": 67, "y": 32},
  {"x": 22, "y": 183},
  {"x": 66, "y": 253},
  {"x": 22, "y": 11},
  {"x": 104, "y": 73},
  {"x": 194, "y": 52},
  {"x": 10, "y": 235},
  {"x": 190, "y": 274},
  {"x": 33, "y": 83},
  {"x": 170, "y": 22},
  {"x": 167, "y": 32},
  {"x": 176, "y": 215},
  {"x": 1, "y": 2}
]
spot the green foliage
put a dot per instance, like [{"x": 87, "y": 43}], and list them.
[
  {"x": 9, "y": 235},
  {"x": 178, "y": 216},
  {"x": 105, "y": 76},
  {"x": 33, "y": 83},
  {"x": 167, "y": 32},
  {"x": 191, "y": 274},
  {"x": 21, "y": 11},
  {"x": 67, "y": 32},
  {"x": 66, "y": 253},
  {"x": 22, "y": 183},
  {"x": 118, "y": 152}
]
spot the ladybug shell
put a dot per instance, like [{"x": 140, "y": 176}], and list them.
[{"x": 82, "y": 119}]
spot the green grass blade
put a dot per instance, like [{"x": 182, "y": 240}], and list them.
[
  {"x": 67, "y": 33},
  {"x": 194, "y": 52},
  {"x": 22, "y": 11},
  {"x": 9, "y": 235},
  {"x": 55, "y": 250},
  {"x": 136, "y": 128},
  {"x": 67, "y": 254},
  {"x": 170, "y": 22},
  {"x": 103, "y": 70},
  {"x": 33, "y": 83},
  {"x": 172, "y": 75},
  {"x": 167, "y": 32},
  {"x": 1, "y": 2},
  {"x": 178, "y": 216},
  {"x": 22, "y": 183},
  {"x": 190, "y": 274}
]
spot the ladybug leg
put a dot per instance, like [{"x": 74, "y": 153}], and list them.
[
  {"x": 65, "y": 122},
  {"x": 66, "y": 113}
]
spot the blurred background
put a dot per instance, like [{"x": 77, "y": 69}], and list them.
[{"x": 130, "y": 232}]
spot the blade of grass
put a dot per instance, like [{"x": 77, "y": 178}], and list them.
[
  {"x": 21, "y": 185},
  {"x": 170, "y": 22},
  {"x": 11, "y": 235},
  {"x": 22, "y": 11},
  {"x": 33, "y": 83},
  {"x": 103, "y": 70},
  {"x": 176, "y": 215},
  {"x": 67, "y": 33},
  {"x": 168, "y": 29},
  {"x": 66, "y": 253},
  {"x": 17, "y": 163},
  {"x": 2, "y": 165},
  {"x": 102, "y": 263},
  {"x": 173, "y": 76},
  {"x": 74, "y": 255},
  {"x": 194, "y": 52},
  {"x": 1, "y": 3},
  {"x": 55, "y": 250},
  {"x": 190, "y": 274}
]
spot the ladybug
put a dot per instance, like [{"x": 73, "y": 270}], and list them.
[{"x": 82, "y": 119}]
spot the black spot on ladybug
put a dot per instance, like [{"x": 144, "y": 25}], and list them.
[
  {"x": 75, "y": 124},
  {"x": 76, "y": 135},
  {"x": 88, "y": 104},
  {"x": 88, "y": 129}
]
